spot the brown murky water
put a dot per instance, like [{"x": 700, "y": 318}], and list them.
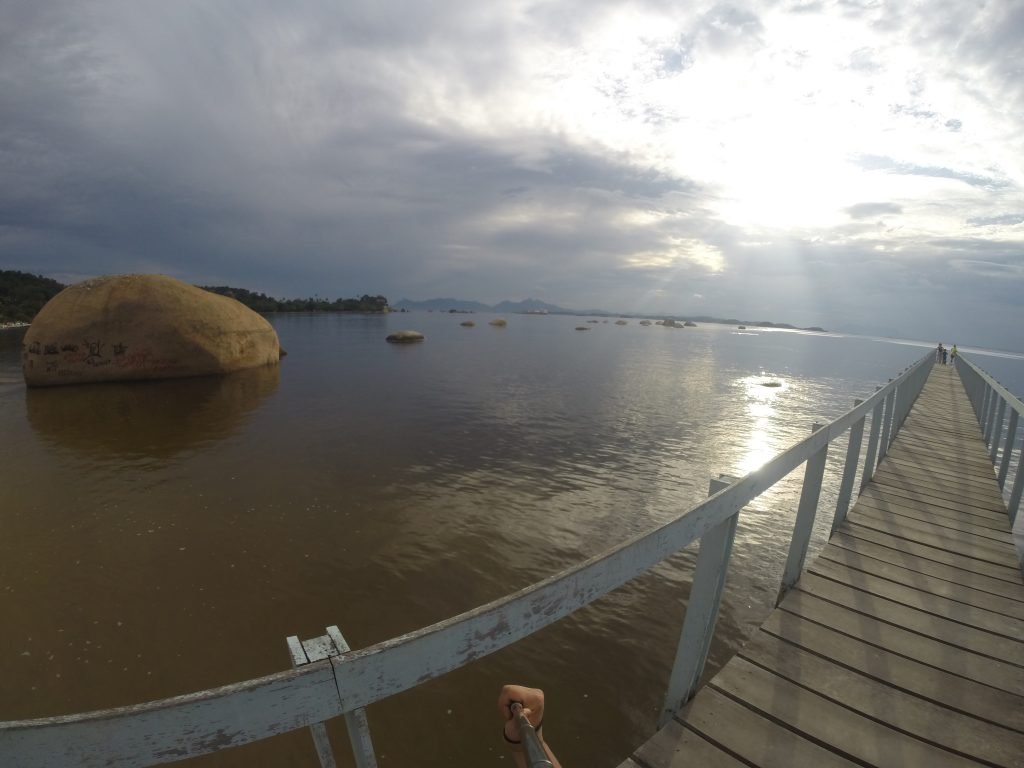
[{"x": 163, "y": 538}]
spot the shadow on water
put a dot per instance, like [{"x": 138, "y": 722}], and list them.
[{"x": 153, "y": 419}]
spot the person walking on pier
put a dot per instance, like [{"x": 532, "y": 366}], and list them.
[
  {"x": 945, "y": 352},
  {"x": 532, "y": 700},
  {"x": 938, "y": 353},
  {"x": 952, "y": 355}
]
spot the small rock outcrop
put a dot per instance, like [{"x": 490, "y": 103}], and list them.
[
  {"x": 139, "y": 327},
  {"x": 405, "y": 337},
  {"x": 689, "y": 324},
  {"x": 582, "y": 327},
  {"x": 622, "y": 322},
  {"x": 645, "y": 322},
  {"x": 467, "y": 324},
  {"x": 499, "y": 322}
]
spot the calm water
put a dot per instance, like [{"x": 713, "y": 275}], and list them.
[{"x": 166, "y": 537}]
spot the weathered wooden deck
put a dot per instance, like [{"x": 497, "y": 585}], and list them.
[{"x": 902, "y": 645}]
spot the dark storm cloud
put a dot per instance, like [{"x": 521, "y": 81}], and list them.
[{"x": 163, "y": 151}]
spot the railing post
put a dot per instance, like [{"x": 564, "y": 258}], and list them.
[
  {"x": 1018, "y": 487},
  {"x": 316, "y": 649},
  {"x": 701, "y": 609},
  {"x": 902, "y": 397},
  {"x": 1011, "y": 435},
  {"x": 813, "y": 473},
  {"x": 997, "y": 427},
  {"x": 883, "y": 444},
  {"x": 849, "y": 470},
  {"x": 990, "y": 414},
  {"x": 869, "y": 460}
]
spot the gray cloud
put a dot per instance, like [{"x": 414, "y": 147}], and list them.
[
  {"x": 312, "y": 146},
  {"x": 1006, "y": 219},
  {"x": 866, "y": 210},
  {"x": 887, "y": 164}
]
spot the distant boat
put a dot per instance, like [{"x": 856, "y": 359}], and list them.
[{"x": 743, "y": 327}]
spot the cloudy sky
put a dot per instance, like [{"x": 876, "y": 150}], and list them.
[{"x": 855, "y": 164}]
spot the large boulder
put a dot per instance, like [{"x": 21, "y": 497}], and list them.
[
  {"x": 142, "y": 327},
  {"x": 405, "y": 337}
]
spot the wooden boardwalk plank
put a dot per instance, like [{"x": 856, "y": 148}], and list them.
[
  {"x": 889, "y": 503},
  {"x": 678, "y": 746},
  {"x": 930, "y": 584},
  {"x": 940, "y": 570},
  {"x": 1007, "y": 573},
  {"x": 942, "y": 629},
  {"x": 937, "y": 500},
  {"x": 939, "y": 538},
  {"x": 922, "y": 600},
  {"x": 752, "y": 736},
  {"x": 823, "y": 720},
  {"x": 886, "y": 704},
  {"x": 906, "y": 642},
  {"x": 983, "y": 702},
  {"x": 915, "y": 511},
  {"x": 902, "y": 643}
]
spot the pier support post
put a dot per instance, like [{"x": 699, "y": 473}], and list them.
[
  {"x": 701, "y": 609},
  {"x": 1011, "y": 435},
  {"x": 814, "y": 471},
  {"x": 849, "y": 470},
  {"x": 316, "y": 649},
  {"x": 869, "y": 460}
]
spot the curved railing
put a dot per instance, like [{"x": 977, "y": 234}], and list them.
[
  {"x": 998, "y": 411},
  {"x": 341, "y": 682}
]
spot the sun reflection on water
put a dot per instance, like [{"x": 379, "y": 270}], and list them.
[{"x": 761, "y": 395}]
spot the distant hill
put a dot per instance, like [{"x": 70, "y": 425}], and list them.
[
  {"x": 22, "y": 295},
  {"x": 461, "y": 305},
  {"x": 442, "y": 305}
]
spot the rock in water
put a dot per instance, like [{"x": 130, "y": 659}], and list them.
[
  {"x": 124, "y": 327},
  {"x": 405, "y": 337},
  {"x": 467, "y": 323},
  {"x": 499, "y": 322}
]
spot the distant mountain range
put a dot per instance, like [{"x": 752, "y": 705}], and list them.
[
  {"x": 535, "y": 305},
  {"x": 460, "y": 305}
]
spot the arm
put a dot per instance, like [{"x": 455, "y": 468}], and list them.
[{"x": 532, "y": 700}]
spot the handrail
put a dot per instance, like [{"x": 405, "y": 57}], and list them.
[
  {"x": 991, "y": 400},
  {"x": 207, "y": 721}
]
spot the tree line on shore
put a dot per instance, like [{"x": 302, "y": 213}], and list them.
[{"x": 22, "y": 295}]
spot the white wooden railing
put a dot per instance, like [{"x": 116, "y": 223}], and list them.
[
  {"x": 998, "y": 412},
  {"x": 329, "y": 680}
]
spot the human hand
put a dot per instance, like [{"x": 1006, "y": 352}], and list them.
[{"x": 532, "y": 700}]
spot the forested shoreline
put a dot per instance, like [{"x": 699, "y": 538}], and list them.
[{"x": 23, "y": 294}]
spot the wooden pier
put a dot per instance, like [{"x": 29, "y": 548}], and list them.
[{"x": 902, "y": 644}]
